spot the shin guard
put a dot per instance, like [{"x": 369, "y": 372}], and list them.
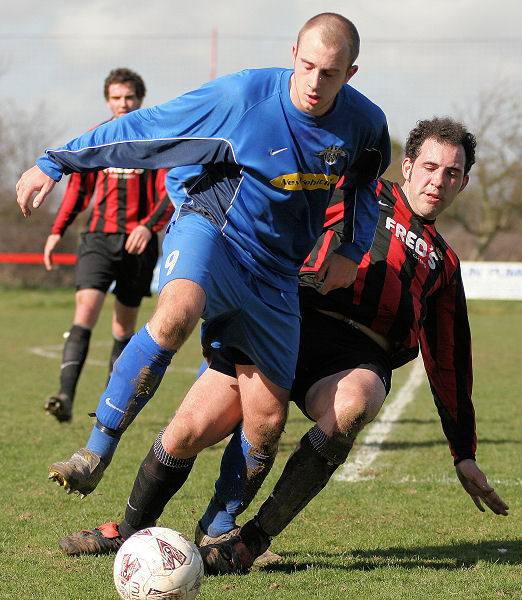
[
  {"x": 159, "y": 477},
  {"x": 306, "y": 473},
  {"x": 136, "y": 376},
  {"x": 243, "y": 470}
]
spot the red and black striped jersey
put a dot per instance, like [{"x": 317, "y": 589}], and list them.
[
  {"x": 408, "y": 288},
  {"x": 123, "y": 199}
]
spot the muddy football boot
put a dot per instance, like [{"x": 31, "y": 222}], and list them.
[
  {"x": 202, "y": 539},
  {"x": 226, "y": 558},
  {"x": 105, "y": 539},
  {"x": 59, "y": 406},
  {"x": 81, "y": 473}
]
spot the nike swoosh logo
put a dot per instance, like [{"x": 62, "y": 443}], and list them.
[
  {"x": 383, "y": 204},
  {"x": 274, "y": 152},
  {"x": 111, "y": 405}
]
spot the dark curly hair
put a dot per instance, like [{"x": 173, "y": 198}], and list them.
[
  {"x": 123, "y": 75},
  {"x": 446, "y": 131}
]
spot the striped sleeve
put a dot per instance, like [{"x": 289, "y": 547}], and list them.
[
  {"x": 76, "y": 198},
  {"x": 446, "y": 351}
]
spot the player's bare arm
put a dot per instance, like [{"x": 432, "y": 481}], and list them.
[
  {"x": 337, "y": 271},
  {"x": 138, "y": 239},
  {"x": 49, "y": 248},
  {"x": 476, "y": 484},
  {"x": 33, "y": 180}
]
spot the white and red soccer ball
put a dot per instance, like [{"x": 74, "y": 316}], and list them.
[{"x": 160, "y": 564}]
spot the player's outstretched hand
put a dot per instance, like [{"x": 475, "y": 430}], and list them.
[
  {"x": 33, "y": 180},
  {"x": 337, "y": 271},
  {"x": 476, "y": 484}
]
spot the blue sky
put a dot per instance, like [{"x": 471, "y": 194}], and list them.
[{"x": 417, "y": 58}]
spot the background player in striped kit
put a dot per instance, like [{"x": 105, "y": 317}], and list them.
[{"x": 119, "y": 244}]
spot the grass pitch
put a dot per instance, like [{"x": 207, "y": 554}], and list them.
[{"x": 405, "y": 531}]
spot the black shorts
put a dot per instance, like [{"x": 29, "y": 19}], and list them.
[
  {"x": 224, "y": 360},
  {"x": 328, "y": 346},
  {"x": 102, "y": 259}
]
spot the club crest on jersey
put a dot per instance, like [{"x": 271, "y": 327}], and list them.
[{"x": 332, "y": 154}]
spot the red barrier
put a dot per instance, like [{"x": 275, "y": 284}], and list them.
[{"x": 29, "y": 258}]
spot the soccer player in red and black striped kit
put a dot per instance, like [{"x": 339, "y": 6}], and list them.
[
  {"x": 408, "y": 293},
  {"x": 119, "y": 244}
]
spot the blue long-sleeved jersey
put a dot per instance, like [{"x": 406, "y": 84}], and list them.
[
  {"x": 269, "y": 169},
  {"x": 178, "y": 182}
]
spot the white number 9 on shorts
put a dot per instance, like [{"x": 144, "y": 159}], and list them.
[{"x": 171, "y": 260}]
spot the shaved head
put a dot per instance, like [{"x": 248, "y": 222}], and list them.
[{"x": 334, "y": 31}]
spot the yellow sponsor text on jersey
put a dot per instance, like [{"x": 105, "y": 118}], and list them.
[{"x": 305, "y": 181}]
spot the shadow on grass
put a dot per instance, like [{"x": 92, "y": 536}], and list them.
[
  {"x": 399, "y": 445},
  {"x": 449, "y": 558}
]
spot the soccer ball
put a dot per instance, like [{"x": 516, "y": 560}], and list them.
[{"x": 158, "y": 563}]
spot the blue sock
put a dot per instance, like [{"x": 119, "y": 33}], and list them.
[
  {"x": 216, "y": 519},
  {"x": 239, "y": 459},
  {"x": 136, "y": 376},
  {"x": 103, "y": 444}
]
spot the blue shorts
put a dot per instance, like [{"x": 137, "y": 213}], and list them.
[{"x": 241, "y": 311}]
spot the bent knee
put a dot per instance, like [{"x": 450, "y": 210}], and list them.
[
  {"x": 360, "y": 401},
  {"x": 265, "y": 433},
  {"x": 172, "y": 324},
  {"x": 182, "y": 438}
]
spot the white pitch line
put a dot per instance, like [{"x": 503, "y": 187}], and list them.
[
  {"x": 55, "y": 352},
  {"x": 380, "y": 429}
]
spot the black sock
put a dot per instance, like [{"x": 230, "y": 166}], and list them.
[
  {"x": 254, "y": 538},
  {"x": 304, "y": 476},
  {"x": 159, "y": 477},
  {"x": 117, "y": 349},
  {"x": 74, "y": 355}
]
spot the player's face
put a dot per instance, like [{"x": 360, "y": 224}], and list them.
[
  {"x": 319, "y": 74},
  {"x": 435, "y": 178},
  {"x": 122, "y": 99}
]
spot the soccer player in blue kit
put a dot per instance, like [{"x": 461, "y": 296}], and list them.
[{"x": 273, "y": 144}]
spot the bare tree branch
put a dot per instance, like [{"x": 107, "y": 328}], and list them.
[{"x": 492, "y": 202}]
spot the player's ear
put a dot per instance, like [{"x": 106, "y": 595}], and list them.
[
  {"x": 407, "y": 164},
  {"x": 294, "y": 52},
  {"x": 351, "y": 72},
  {"x": 464, "y": 183}
]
